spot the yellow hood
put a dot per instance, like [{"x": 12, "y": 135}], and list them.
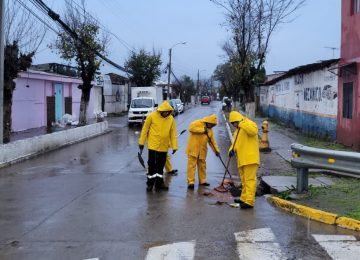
[
  {"x": 210, "y": 119},
  {"x": 165, "y": 106},
  {"x": 235, "y": 117}
]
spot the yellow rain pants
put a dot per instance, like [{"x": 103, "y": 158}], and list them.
[
  {"x": 247, "y": 175},
  {"x": 191, "y": 167},
  {"x": 168, "y": 166}
]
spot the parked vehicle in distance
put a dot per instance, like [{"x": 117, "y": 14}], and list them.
[
  {"x": 205, "y": 100},
  {"x": 179, "y": 104},
  {"x": 218, "y": 96},
  {"x": 144, "y": 100},
  {"x": 174, "y": 106}
]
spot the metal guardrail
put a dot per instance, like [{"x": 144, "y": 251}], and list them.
[{"x": 305, "y": 158}]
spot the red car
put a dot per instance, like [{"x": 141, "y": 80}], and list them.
[{"x": 205, "y": 99}]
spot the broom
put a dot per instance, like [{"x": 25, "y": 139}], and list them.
[{"x": 221, "y": 187}]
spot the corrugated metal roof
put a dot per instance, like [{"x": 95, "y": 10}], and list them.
[{"x": 302, "y": 70}]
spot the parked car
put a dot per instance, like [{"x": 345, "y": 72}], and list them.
[
  {"x": 179, "y": 104},
  {"x": 174, "y": 106},
  {"x": 205, "y": 100}
]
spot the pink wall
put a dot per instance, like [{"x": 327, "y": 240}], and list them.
[{"x": 29, "y": 108}]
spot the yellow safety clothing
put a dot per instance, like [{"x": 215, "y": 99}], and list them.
[
  {"x": 168, "y": 166},
  {"x": 246, "y": 147},
  {"x": 247, "y": 142},
  {"x": 159, "y": 131},
  {"x": 196, "y": 148},
  {"x": 247, "y": 175},
  {"x": 198, "y": 140},
  {"x": 201, "y": 165}
]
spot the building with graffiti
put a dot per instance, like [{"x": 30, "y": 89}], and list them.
[{"x": 305, "y": 97}]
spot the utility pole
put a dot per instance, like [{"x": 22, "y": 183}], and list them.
[
  {"x": 197, "y": 87},
  {"x": 169, "y": 67},
  {"x": 169, "y": 73},
  {"x": 1, "y": 71}
]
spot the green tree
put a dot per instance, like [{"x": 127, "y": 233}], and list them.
[
  {"x": 187, "y": 88},
  {"x": 144, "y": 67},
  {"x": 23, "y": 35},
  {"x": 82, "y": 48}
]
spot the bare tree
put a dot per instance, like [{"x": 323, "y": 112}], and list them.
[
  {"x": 83, "y": 47},
  {"x": 23, "y": 36},
  {"x": 252, "y": 23}
]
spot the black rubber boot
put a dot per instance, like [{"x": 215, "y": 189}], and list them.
[
  {"x": 245, "y": 206},
  {"x": 173, "y": 172},
  {"x": 205, "y": 184},
  {"x": 191, "y": 186},
  {"x": 238, "y": 201}
]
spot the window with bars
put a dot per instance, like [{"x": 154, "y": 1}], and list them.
[{"x": 347, "y": 100}]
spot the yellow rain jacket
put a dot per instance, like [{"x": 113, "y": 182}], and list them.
[
  {"x": 197, "y": 143},
  {"x": 160, "y": 132},
  {"x": 247, "y": 142}
]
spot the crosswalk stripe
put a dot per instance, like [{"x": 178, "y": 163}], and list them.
[
  {"x": 258, "y": 244},
  {"x": 181, "y": 250},
  {"x": 339, "y": 246}
]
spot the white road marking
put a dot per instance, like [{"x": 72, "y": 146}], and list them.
[
  {"x": 258, "y": 244},
  {"x": 92, "y": 259},
  {"x": 339, "y": 246},
  {"x": 181, "y": 250}
]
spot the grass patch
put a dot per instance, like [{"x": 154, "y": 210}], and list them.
[
  {"x": 323, "y": 144},
  {"x": 342, "y": 198}
]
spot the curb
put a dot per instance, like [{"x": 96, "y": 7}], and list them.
[{"x": 314, "y": 214}]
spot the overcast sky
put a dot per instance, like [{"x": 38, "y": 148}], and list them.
[{"x": 159, "y": 24}]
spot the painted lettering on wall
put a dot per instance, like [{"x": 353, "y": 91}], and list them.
[
  {"x": 318, "y": 94},
  {"x": 282, "y": 88},
  {"x": 312, "y": 94},
  {"x": 299, "y": 79}
]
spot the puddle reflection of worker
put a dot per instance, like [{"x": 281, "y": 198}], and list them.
[{"x": 168, "y": 167}]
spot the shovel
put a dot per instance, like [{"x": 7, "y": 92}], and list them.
[
  {"x": 141, "y": 160},
  {"x": 183, "y": 131}
]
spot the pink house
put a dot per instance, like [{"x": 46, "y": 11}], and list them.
[{"x": 41, "y": 98}]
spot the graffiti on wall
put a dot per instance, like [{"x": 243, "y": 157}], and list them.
[
  {"x": 282, "y": 88},
  {"x": 329, "y": 93},
  {"x": 317, "y": 94}
]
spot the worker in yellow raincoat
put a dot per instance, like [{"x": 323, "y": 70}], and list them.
[
  {"x": 246, "y": 148},
  {"x": 159, "y": 130},
  {"x": 200, "y": 135}
]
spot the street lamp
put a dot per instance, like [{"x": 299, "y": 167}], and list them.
[{"x": 169, "y": 69}]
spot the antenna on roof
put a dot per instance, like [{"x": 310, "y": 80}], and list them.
[{"x": 333, "y": 49}]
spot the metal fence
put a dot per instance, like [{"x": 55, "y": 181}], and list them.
[{"x": 305, "y": 158}]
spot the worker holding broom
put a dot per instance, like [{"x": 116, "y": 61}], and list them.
[
  {"x": 200, "y": 135},
  {"x": 246, "y": 148},
  {"x": 159, "y": 130}
]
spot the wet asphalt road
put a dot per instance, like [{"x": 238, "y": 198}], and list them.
[{"x": 89, "y": 200}]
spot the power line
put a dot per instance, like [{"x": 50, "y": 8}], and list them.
[
  {"x": 123, "y": 42},
  {"x": 56, "y": 17},
  {"x": 36, "y": 16}
]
